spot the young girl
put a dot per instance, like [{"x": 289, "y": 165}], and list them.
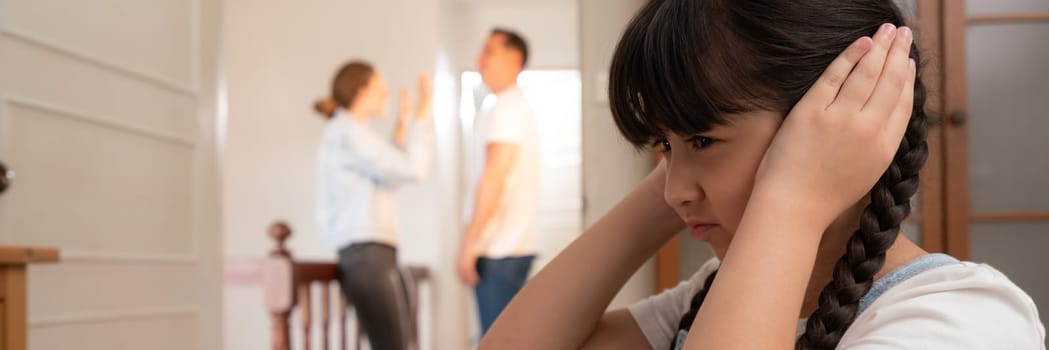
[
  {"x": 356, "y": 175},
  {"x": 793, "y": 133}
]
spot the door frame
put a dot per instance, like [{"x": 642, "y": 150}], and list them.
[{"x": 957, "y": 214}]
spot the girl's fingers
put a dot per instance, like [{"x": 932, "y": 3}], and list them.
[
  {"x": 861, "y": 82},
  {"x": 893, "y": 77},
  {"x": 901, "y": 114},
  {"x": 829, "y": 83}
]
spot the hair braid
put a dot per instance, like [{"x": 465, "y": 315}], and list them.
[
  {"x": 693, "y": 306},
  {"x": 879, "y": 226}
]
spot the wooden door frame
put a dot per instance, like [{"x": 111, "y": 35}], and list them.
[
  {"x": 928, "y": 23},
  {"x": 958, "y": 216},
  {"x": 955, "y": 134}
]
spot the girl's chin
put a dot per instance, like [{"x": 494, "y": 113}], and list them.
[{"x": 718, "y": 240}]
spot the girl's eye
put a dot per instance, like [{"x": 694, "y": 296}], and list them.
[
  {"x": 661, "y": 145},
  {"x": 701, "y": 142}
]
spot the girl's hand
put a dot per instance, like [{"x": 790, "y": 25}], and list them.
[{"x": 842, "y": 135}]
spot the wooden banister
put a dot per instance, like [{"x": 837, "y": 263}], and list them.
[
  {"x": 342, "y": 323},
  {"x": 315, "y": 272},
  {"x": 13, "y": 255},
  {"x": 287, "y": 282},
  {"x": 325, "y": 311},
  {"x": 276, "y": 274},
  {"x": 305, "y": 311},
  {"x": 13, "y": 311}
]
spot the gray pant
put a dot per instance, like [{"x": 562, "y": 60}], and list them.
[{"x": 372, "y": 283}]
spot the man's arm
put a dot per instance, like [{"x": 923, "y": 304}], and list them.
[{"x": 499, "y": 158}]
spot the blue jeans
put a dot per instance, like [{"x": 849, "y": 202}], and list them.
[{"x": 501, "y": 279}]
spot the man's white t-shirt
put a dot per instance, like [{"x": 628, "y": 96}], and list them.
[
  {"x": 512, "y": 230},
  {"x": 961, "y": 305}
]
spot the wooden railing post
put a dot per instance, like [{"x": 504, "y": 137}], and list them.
[
  {"x": 325, "y": 315},
  {"x": 305, "y": 308},
  {"x": 277, "y": 281},
  {"x": 13, "y": 261},
  {"x": 342, "y": 322}
]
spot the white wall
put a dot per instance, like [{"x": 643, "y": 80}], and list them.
[{"x": 611, "y": 167}]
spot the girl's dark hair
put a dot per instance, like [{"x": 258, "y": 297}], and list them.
[
  {"x": 353, "y": 76},
  {"x": 686, "y": 65}
]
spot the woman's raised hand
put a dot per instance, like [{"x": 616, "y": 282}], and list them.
[{"x": 424, "y": 109}]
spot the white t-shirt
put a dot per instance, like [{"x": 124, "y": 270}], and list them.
[
  {"x": 512, "y": 230},
  {"x": 959, "y": 305}
]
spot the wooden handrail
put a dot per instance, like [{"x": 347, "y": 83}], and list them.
[
  {"x": 309, "y": 272},
  {"x": 12, "y": 255},
  {"x": 13, "y": 311}
]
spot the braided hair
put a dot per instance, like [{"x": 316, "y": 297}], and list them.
[
  {"x": 693, "y": 306},
  {"x": 686, "y": 65}
]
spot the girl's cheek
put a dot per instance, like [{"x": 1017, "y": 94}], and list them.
[
  {"x": 728, "y": 206},
  {"x": 735, "y": 197}
]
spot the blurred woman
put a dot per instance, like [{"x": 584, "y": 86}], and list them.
[{"x": 358, "y": 171}]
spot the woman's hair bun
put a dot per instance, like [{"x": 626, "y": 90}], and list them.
[{"x": 326, "y": 107}]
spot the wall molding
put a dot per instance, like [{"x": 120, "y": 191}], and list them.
[
  {"x": 242, "y": 273},
  {"x": 117, "y": 316},
  {"x": 148, "y": 78},
  {"x": 96, "y": 120},
  {"x": 194, "y": 44}
]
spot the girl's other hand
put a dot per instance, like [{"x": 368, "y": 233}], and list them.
[{"x": 842, "y": 135}]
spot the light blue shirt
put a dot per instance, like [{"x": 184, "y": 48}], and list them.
[{"x": 357, "y": 172}]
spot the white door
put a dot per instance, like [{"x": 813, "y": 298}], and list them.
[{"x": 107, "y": 116}]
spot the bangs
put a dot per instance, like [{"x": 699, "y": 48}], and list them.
[{"x": 671, "y": 72}]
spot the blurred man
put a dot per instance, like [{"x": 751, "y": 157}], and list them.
[{"x": 499, "y": 244}]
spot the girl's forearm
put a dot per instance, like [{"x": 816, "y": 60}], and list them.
[
  {"x": 757, "y": 297},
  {"x": 559, "y": 308}
]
